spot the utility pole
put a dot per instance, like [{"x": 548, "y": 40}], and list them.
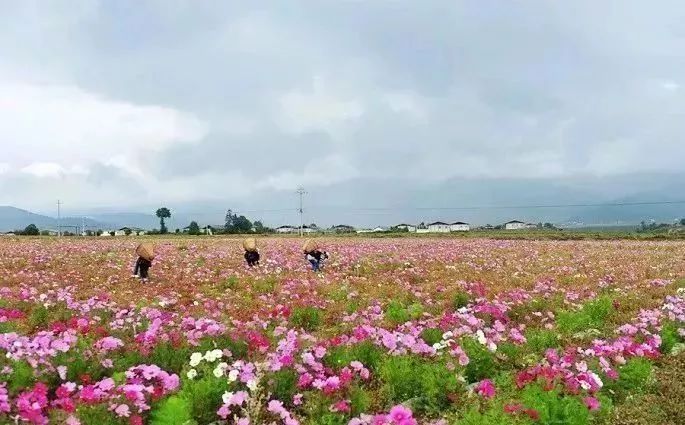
[
  {"x": 59, "y": 218},
  {"x": 301, "y": 192},
  {"x": 83, "y": 226}
]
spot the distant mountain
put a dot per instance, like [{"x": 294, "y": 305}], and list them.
[
  {"x": 12, "y": 218},
  {"x": 371, "y": 202}
]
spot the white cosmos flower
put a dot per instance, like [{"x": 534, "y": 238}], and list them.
[
  {"x": 213, "y": 355},
  {"x": 192, "y": 373},
  {"x": 252, "y": 384},
  {"x": 195, "y": 359},
  {"x": 227, "y": 397},
  {"x": 480, "y": 336},
  {"x": 233, "y": 375}
]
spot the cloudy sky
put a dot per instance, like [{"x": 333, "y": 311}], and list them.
[{"x": 129, "y": 103}]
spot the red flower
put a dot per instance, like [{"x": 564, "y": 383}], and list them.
[{"x": 533, "y": 414}]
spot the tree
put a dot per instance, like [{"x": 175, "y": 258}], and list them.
[
  {"x": 682, "y": 221},
  {"x": 229, "y": 223},
  {"x": 193, "y": 228},
  {"x": 242, "y": 225},
  {"x": 163, "y": 213},
  {"x": 259, "y": 227},
  {"x": 31, "y": 230}
]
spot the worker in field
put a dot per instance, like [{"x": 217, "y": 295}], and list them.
[
  {"x": 252, "y": 258},
  {"x": 316, "y": 258},
  {"x": 251, "y": 252},
  {"x": 144, "y": 262}
]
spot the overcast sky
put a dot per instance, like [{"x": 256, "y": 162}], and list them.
[{"x": 125, "y": 103}]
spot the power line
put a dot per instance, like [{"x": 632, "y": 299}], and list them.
[
  {"x": 478, "y": 207},
  {"x": 59, "y": 219},
  {"x": 301, "y": 192}
]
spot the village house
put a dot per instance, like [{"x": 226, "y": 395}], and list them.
[
  {"x": 342, "y": 228},
  {"x": 407, "y": 227},
  {"x": 459, "y": 226},
  {"x": 287, "y": 229},
  {"x": 129, "y": 231},
  {"x": 438, "y": 227},
  {"x": 514, "y": 225}
]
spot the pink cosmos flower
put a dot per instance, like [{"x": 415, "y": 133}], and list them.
[
  {"x": 122, "y": 410},
  {"x": 592, "y": 403},
  {"x": 486, "y": 389}
]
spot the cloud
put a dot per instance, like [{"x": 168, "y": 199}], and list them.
[{"x": 226, "y": 100}]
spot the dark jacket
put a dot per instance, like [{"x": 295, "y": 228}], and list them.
[
  {"x": 316, "y": 254},
  {"x": 142, "y": 264},
  {"x": 252, "y": 257}
]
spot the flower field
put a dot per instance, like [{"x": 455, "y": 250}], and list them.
[{"x": 393, "y": 331}]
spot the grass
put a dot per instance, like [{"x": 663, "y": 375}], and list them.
[{"x": 592, "y": 315}]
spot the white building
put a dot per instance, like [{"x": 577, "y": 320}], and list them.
[
  {"x": 307, "y": 229},
  {"x": 439, "y": 227},
  {"x": 407, "y": 227},
  {"x": 459, "y": 226},
  {"x": 514, "y": 225},
  {"x": 129, "y": 231},
  {"x": 287, "y": 229}
]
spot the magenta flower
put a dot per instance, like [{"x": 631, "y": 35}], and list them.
[
  {"x": 592, "y": 403},
  {"x": 486, "y": 389}
]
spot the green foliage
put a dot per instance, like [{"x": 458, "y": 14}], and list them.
[
  {"x": 415, "y": 310},
  {"x": 39, "y": 317},
  {"x": 460, "y": 299},
  {"x": 396, "y": 313},
  {"x": 265, "y": 285},
  {"x": 307, "y": 318},
  {"x": 328, "y": 418},
  {"x": 317, "y": 409},
  {"x": 20, "y": 378},
  {"x": 229, "y": 283},
  {"x": 98, "y": 414},
  {"x": 203, "y": 395},
  {"x": 669, "y": 337},
  {"x": 431, "y": 335},
  {"x": 31, "y": 230},
  {"x": 593, "y": 315},
  {"x": 539, "y": 340},
  {"x": 168, "y": 357},
  {"x": 6, "y": 327},
  {"x": 633, "y": 378},
  {"x": 360, "y": 400},
  {"x": 554, "y": 408},
  {"x": 237, "y": 224},
  {"x": 163, "y": 213},
  {"x": 423, "y": 385},
  {"x": 495, "y": 415},
  {"x": 174, "y": 410},
  {"x": 482, "y": 362},
  {"x": 193, "y": 228},
  {"x": 237, "y": 347},
  {"x": 366, "y": 353},
  {"x": 283, "y": 385},
  {"x": 78, "y": 364}
]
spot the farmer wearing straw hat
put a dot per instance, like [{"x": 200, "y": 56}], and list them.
[
  {"x": 145, "y": 256},
  {"x": 251, "y": 252}
]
